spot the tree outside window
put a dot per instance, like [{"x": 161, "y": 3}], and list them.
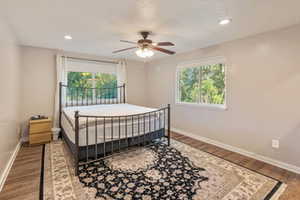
[
  {"x": 80, "y": 85},
  {"x": 202, "y": 84}
]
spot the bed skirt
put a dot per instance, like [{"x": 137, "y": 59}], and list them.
[{"x": 111, "y": 146}]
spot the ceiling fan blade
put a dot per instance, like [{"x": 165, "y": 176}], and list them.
[
  {"x": 128, "y": 41},
  {"x": 124, "y": 49},
  {"x": 163, "y": 50},
  {"x": 165, "y": 44}
]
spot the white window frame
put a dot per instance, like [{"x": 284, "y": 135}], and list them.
[{"x": 197, "y": 63}]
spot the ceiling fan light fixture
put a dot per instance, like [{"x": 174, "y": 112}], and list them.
[{"x": 144, "y": 53}]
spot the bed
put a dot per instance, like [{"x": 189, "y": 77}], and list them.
[{"x": 95, "y": 127}]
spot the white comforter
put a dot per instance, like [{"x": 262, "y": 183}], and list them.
[{"x": 107, "y": 110}]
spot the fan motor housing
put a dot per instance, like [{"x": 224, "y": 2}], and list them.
[{"x": 145, "y": 41}]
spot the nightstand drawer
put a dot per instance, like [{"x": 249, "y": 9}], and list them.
[
  {"x": 40, "y": 138},
  {"x": 40, "y": 127}
]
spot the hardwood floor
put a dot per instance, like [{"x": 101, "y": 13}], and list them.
[
  {"x": 24, "y": 178},
  {"x": 23, "y": 181}
]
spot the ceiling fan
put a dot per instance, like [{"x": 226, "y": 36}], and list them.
[{"x": 145, "y": 46}]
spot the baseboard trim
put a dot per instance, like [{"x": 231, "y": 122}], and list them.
[
  {"x": 25, "y": 139},
  {"x": 9, "y": 165},
  {"x": 271, "y": 161}
]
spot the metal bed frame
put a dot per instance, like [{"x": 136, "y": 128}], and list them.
[{"x": 109, "y": 145}]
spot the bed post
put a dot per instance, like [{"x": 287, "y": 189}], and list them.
[
  {"x": 124, "y": 97},
  {"x": 76, "y": 157},
  {"x": 169, "y": 125},
  {"x": 60, "y": 103}
]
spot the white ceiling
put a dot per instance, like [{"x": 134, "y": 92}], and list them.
[{"x": 97, "y": 25}]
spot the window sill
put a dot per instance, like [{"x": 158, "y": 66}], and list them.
[{"x": 202, "y": 105}]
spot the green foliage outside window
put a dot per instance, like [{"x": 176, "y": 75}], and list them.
[
  {"x": 78, "y": 82},
  {"x": 203, "y": 84}
]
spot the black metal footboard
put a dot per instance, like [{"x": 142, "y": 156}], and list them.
[{"x": 116, "y": 133}]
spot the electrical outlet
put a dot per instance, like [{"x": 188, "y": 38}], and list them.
[{"x": 275, "y": 144}]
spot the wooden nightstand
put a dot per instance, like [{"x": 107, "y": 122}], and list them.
[{"x": 40, "y": 131}]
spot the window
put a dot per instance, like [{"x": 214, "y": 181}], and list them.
[
  {"x": 91, "y": 80},
  {"x": 82, "y": 75},
  {"x": 202, "y": 83}
]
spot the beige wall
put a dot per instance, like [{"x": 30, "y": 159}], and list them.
[
  {"x": 9, "y": 95},
  {"x": 136, "y": 83},
  {"x": 39, "y": 79},
  {"x": 263, "y": 94},
  {"x": 38, "y": 83}
]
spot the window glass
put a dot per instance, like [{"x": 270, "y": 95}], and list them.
[
  {"x": 80, "y": 79},
  {"x": 189, "y": 84},
  {"x": 106, "y": 81},
  {"x": 78, "y": 82},
  {"x": 204, "y": 84}
]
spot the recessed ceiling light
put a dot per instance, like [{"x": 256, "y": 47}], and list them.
[
  {"x": 68, "y": 37},
  {"x": 225, "y": 21}
]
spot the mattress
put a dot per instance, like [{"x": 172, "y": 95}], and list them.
[{"x": 113, "y": 128}]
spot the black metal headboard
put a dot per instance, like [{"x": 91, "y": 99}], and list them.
[{"x": 80, "y": 96}]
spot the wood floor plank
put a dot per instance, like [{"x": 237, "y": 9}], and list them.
[
  {"x": 222, "y": 153},
  {"x": 234, "y": 157},
  {"x": 23, "y": 179}
]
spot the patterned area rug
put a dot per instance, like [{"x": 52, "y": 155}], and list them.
[{"x": 154, "y": 172}]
